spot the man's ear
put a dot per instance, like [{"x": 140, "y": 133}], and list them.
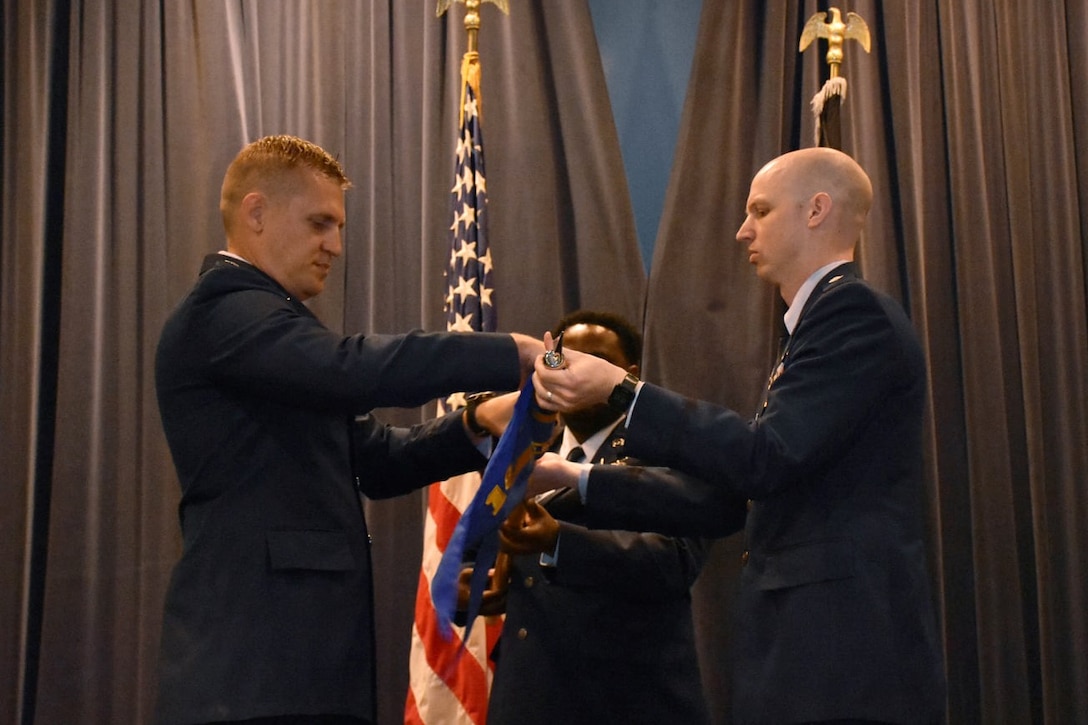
[
  {"x": 253, "y": 210},
  {"x": 819, "y": 207}
]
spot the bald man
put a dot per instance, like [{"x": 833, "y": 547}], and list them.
[{"x": 834, "y": 619}]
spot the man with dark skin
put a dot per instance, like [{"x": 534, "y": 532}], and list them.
[{"x": 598, "y": 623}]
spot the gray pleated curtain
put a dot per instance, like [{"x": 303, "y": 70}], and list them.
[{"x": 120, "y": 117}]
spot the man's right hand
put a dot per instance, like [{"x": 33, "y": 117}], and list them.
[
  {"x": 529, "y": 529},
  {"x": 529, "y": 349},
  {"x": 494, "y": 597},
  {"x": 495, "y": 413}
]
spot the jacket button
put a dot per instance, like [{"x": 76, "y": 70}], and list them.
[
  {"x": 523, "y": 633},
  {"x": 744, "y": 558},
  {"x": 529, "y": 582}
]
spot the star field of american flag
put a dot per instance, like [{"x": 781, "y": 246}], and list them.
[{"x": 469, "y": 305}]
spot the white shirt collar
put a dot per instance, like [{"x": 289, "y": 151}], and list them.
[
  {"x": 793, "y": 314},
  {"x": 589, "y": 445},
  {"x": 225, "y": 253}
]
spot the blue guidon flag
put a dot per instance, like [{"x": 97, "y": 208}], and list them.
[{"x": 501, "y": 490}]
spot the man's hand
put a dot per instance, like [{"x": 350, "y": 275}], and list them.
[
  {"x": 529, "y": 529},
  {"x": 583, "y": 381},
  {"x": 494, "y": 414},
  {"x": 493, "y": 600},
  {"x": 552, "y": 471},
  {"x": 529, "y": 349}
]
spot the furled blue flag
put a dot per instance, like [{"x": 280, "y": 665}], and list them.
[{"x": 501, "y": 490}]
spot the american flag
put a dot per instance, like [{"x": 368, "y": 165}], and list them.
[{"x": 446, "y": 686}]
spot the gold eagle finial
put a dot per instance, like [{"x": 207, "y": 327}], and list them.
[
  {"x": 836, "y": 32},
  {"x": 444, "y": 5},
  {"x": 472, "y": 15}
]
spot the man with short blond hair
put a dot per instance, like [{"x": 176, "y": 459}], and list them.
[{"x": 268, "y": 617}]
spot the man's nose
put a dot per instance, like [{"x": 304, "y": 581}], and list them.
[
  {"x": 744, "y": 233},
  {"x": 334, "y": 243}
]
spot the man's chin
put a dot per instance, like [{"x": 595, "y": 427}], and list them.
[
  {"x": 310, "y": 293},
  {"x": 591, "y": 419},
  {"x": 316, "y": 288}
]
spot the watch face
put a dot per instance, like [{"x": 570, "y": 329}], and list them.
[{"x": 621, "y": 396}]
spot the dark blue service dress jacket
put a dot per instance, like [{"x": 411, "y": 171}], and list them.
[
  {"x": 269, "y": 610},
  {"x": 607, "y": 635},
  {"x": 835, "y": 616}
]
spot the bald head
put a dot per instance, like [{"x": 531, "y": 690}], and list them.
[
  {"x": 808, "y": 172},
  {"x": 805, "y": 209}
]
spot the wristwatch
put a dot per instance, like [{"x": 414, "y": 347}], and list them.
[
  {"x": 471, "y": 402},
  {"x": 623, "y": 394}
]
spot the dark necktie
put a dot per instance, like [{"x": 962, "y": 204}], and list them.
[
  {"x": 576, "y": 455},
  {"x": 783, "y": 344}
]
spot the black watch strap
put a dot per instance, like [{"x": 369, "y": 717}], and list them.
[
  {"x": 471, "y": 403},
  {"x": 623, "y": 394}
]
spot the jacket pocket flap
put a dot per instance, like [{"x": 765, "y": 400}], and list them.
[
  {"x": 808, "y": 563},
  {"x": 310, "y": 549}
]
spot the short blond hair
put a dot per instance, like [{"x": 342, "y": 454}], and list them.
[{"x": 271, "y": 164}]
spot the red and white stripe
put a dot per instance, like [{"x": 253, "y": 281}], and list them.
[{"x": 446, "y": 686}]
